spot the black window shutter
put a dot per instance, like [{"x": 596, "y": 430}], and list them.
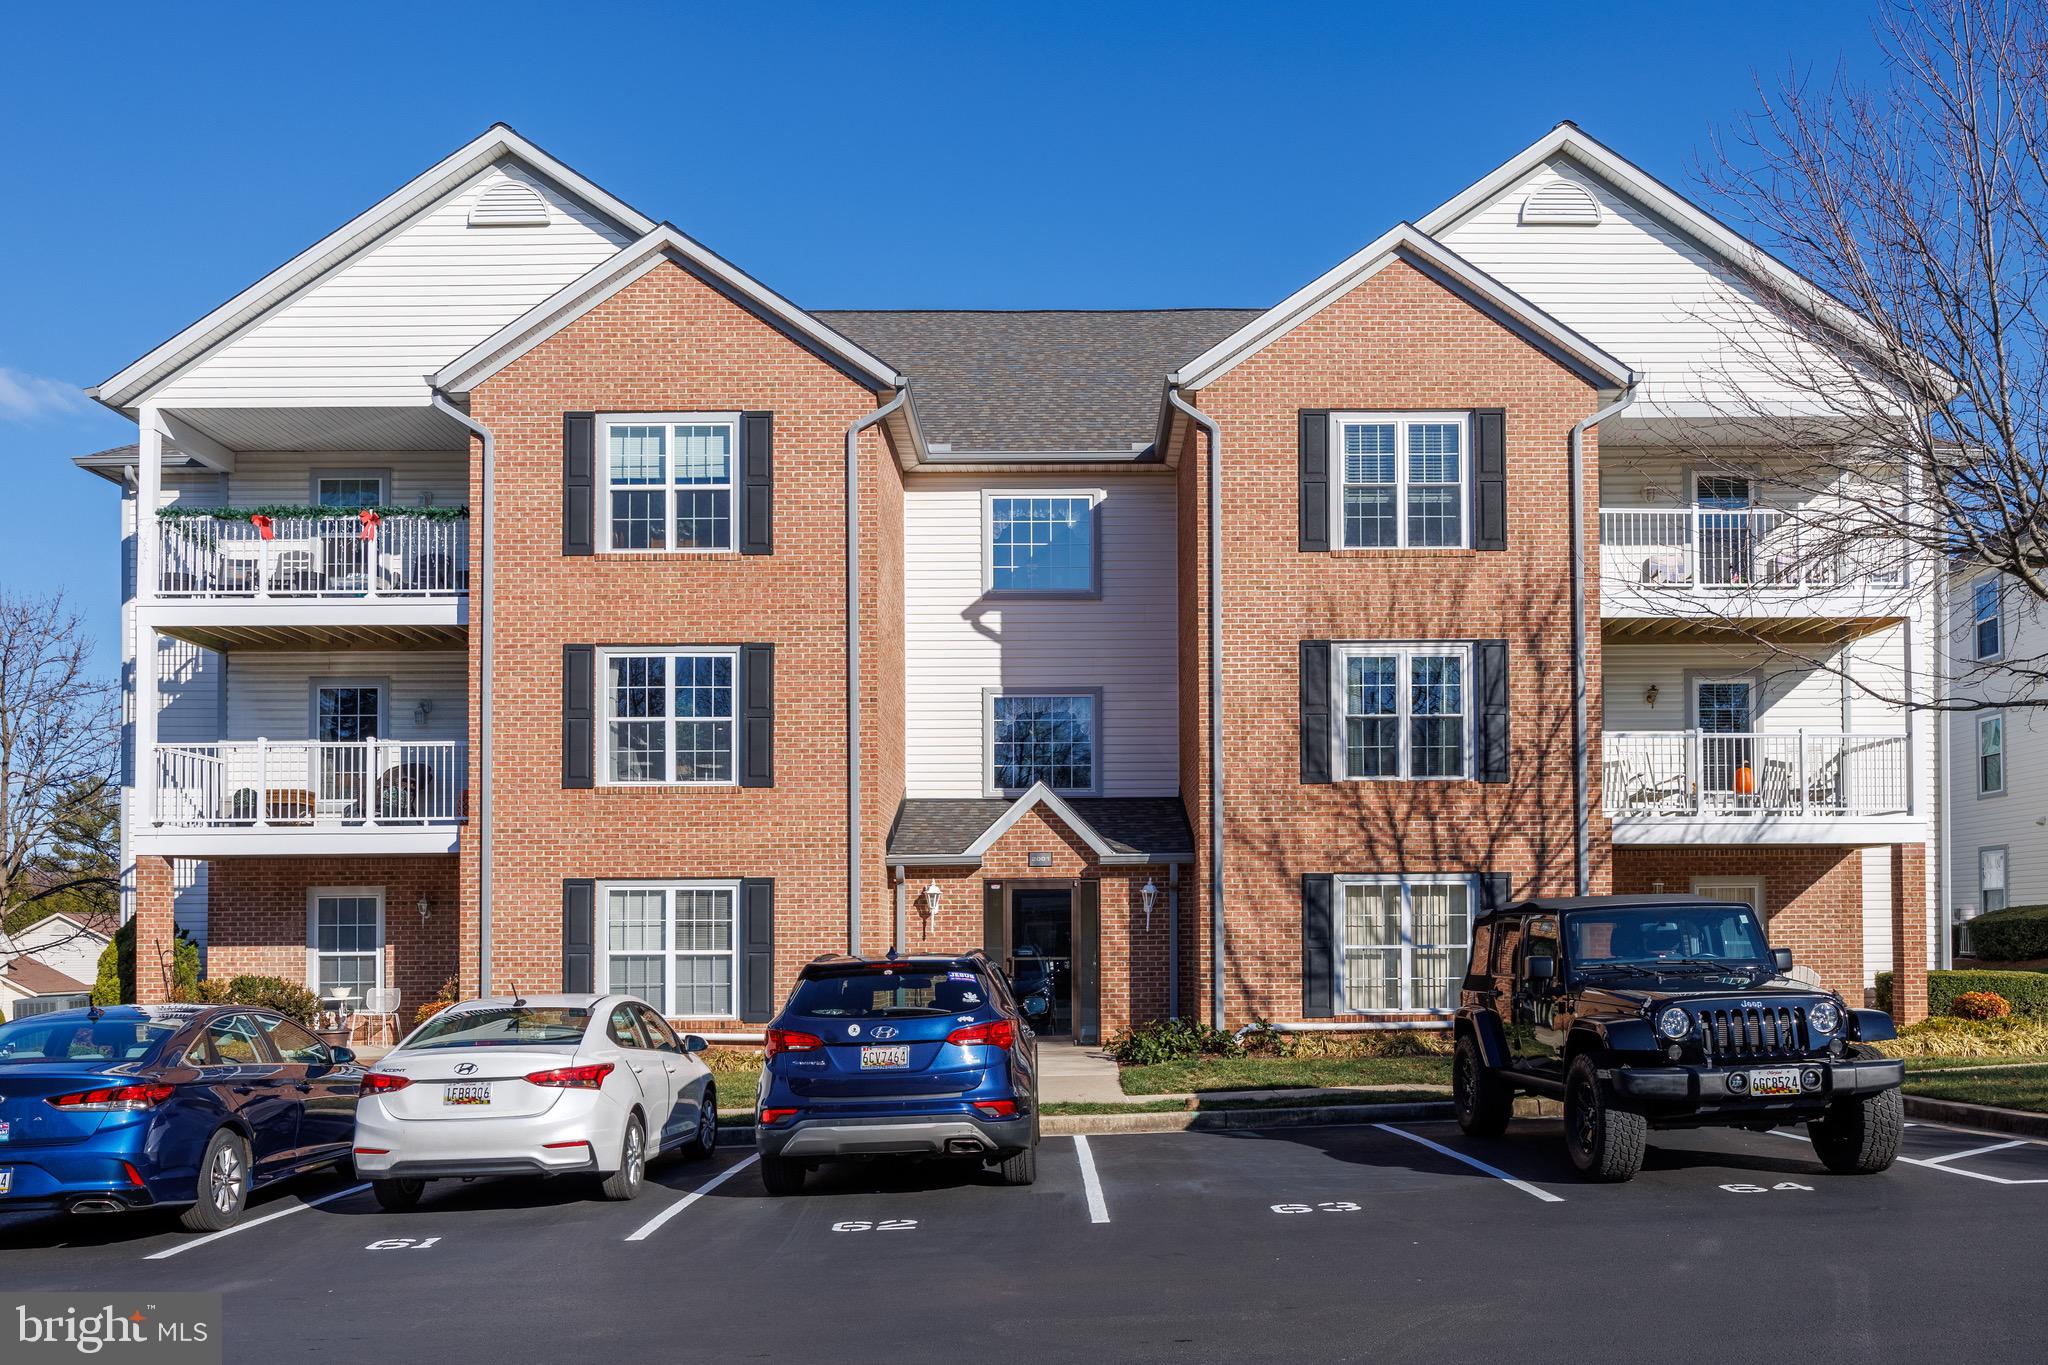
[
  {"x": 995, "y": 926},
  {"x": 579, "y": 715},
  {"x": 1318, "y": 965},
  {"x": 579, "y": 483},
  {"x": 757, "y": 495},
  {"x": 757, "y": 715},
  {"x": 1490, "y": 665},
  {"x": 1315, "y": 711},
  {"x": 757, "y": 946},
  {"x": 1315, "y": 479},
  {"x": 1490, "y": 479},
  {"x": 579, "y": 936},
  {"x": 1495, "y": 889}
]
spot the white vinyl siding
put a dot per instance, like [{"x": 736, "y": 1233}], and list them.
[
  {"x": 674, "y": 945},
  {"x": 270, "y": 695},
  {"x": 961, "y": 642},
  {"x": 2009, "y": 822}
]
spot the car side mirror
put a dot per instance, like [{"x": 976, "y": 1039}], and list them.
[
  {"x": 1781, "y": 959},
  {"x": 341, "y": 1056},
  {"x": 693, "y": 1043},
  {"x": 1540, "y": 966}
]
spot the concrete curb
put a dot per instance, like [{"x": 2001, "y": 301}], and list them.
[
  {"x": 1990, "y": 1118},
  {"x": 1212, "y": 1120}
]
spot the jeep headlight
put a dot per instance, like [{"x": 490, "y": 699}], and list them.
[
  {"x": 1824, "y": 1018},
  {"x": 1674, "y": 1023}
]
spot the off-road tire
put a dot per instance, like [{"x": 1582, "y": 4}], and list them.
[
  {"x": 1605, "y": 1140},
  {"x": 396, "y": 1196},
  {"x": 1859, "y": 1134},
  {"x": 1019, "y": 1168},
  {"x": 631, "y": 1177},
  {"x": 781, "y": 1175},
  {"x": 223, "y": 1187},
  {"x": 1484, "y": 1101}
]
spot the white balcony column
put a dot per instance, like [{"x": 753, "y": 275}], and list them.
[
  {"x": 149, "y": 495},
  {"x": 149, "y": 486}
]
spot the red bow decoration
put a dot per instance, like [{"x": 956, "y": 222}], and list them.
[
  {"x": 262, "y": 525},
  {"x": 371, "y": 521}
]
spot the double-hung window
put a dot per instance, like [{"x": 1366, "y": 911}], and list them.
[
  {"x": 1990, "y": 755},
  {"x": 1405, "y": 710},
  {"x": 1043, "y": 737},
  {"x": 1042, "y": 543},
  {"x": 669, "y": 482},
  {"x": 1405, "y": 480},
  {"x": 668, "y": 716},
  {"x": 1990, "y": 880},
  {"x": 1985, "y": 626},
  {"x": 345, "y": 943},
  {"x": 673, "y": 946},
  {"x": 1403, "y": 942}
]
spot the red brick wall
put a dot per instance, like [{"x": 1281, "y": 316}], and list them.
[
  {"x": 1909, "y": 933},
  {"x": 256, "y": 918},
  {"x": 1399, "y": 341},
  {"x": 668, "y": 343},
  {"x": 155, "y": 929},
  {"x": 1813, "y": 897}
]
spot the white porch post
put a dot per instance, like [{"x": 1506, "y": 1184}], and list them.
[{"x": 149, "y": 484}]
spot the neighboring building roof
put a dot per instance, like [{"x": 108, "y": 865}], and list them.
[
  {"x": 35, "y": 978},
  {"x": 1121, "y": 829},
  {"x": 99, "y": 926},
  {"x": 1039, "y": 382}
]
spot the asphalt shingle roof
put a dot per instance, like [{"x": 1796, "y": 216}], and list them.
[
  {"x": 1038, "y": 381},
  {"x": 945, "y": 827}
]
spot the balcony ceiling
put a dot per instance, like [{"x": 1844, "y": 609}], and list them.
[
  {"x": 230, "y": 636},
  {"x": 412, "y": 427},
  {"x": 1727, "y": 629}
]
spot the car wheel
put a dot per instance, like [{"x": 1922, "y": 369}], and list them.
[
  {"x": 1484, "y": 1101},
  {"x": 396, "y": 1196},
  {"x": 625, "y": 1182},
  {"x": 704, "y": 1141},
  {"x": 780, "y": 1175},
  {"x": 223, "y": 1184},
  {"x": 1859, "y": 1135},
  {"x": 1019, "y": 1168},
  {"x": 1606, "y": 1141}
]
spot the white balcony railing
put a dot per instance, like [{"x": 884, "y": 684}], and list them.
[
  {"x": 1757, "y": 548},
  {"x": 299, "y": 784},
  {"x": 339, "y": 556},
  {"x": 1804, "y": 772}
]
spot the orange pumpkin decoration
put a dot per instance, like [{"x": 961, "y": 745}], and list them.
[{"x": 1745, "y": 781}]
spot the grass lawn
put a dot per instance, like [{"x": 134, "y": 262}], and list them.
[
  {"x": 736, "y": 1090},
  {"x": 2019, "y": 1088},
  {"x": 1914, "y": 1064},
  {"x": 1183, "y": 1106},
  {"x": 1283, "y": 1073}
]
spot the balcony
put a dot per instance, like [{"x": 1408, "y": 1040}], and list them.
[
  {"x": 297, "y": 796},
  {"x": 1807, "y": 786}
]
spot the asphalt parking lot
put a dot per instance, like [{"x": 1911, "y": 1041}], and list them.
[{"x": 1399, "y": 1242}]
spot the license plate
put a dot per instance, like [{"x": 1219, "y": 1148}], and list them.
[
  {"x": 875, "y": 1058},
  {"x": 476, "y": 1092},
  {"x": 6, "y": 1179},
  {"x": 1781, "y": 1080}
]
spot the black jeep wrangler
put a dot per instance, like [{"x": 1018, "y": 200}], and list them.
[{"x": 1644, "y": 1012}]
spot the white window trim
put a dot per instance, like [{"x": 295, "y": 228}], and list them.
[
  {"x": 988, "y": 737},
  {"x": 381, "y": 477},
  {"x": 1404, "y": 881},
  {"x": 313, "y": 953},
  {"x": 1978, "y": 618},
  {"x": 1755, "y": 886},
  {"x": 601, "y": 460},
  {"x": 1095, "y": 497},
  {"x": 602, "y": 969},
  {"x": 605, "y": 702},
  {"x": 2004, "y": 853},
  {"x": 1404, "y": 651},
  {"x": 2004, "y": 757},
  {"x": 1401, "y": 421}
]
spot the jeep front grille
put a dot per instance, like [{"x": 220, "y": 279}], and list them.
[{"x": 1744, "y": 1033}]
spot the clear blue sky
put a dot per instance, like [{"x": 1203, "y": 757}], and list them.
[{"x": 159, "y": 158}]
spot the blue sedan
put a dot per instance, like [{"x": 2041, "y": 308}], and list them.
[{"x": 146, "y": 1106}]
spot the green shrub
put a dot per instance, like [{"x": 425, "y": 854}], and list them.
[
  {"x": 731, "y": 1061},
  {"x": 1947, "y": 1036},
  {"x": 2026, "y": 992},
  {"x": 114, "y": 984},
  {"x": 1346, "y": 1046},
  {"x": 1171, "y": 1040},
  {"x": 1981, "y": 1005},
  {"x": 271, "y": 992},
  {"x": 2018, "y": 933}
]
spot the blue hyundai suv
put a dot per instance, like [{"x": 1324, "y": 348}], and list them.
[{"x": 924, "y": 1056}]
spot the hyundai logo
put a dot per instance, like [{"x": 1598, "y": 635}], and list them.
[
  {"x": 465, "y": 1068},
  {"x": 885, "y": 1031}
]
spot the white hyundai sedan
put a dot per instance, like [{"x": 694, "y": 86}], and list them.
[{"x": 535, "y": 1085}]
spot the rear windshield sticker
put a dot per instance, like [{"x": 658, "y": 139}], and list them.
[
  {"x": 968, "y": 977},
  {"x": 969, "y": 998}
]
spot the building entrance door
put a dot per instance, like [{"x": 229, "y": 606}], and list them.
[{"x": 1041, "y": 962}]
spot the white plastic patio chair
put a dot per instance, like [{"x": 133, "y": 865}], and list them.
[{"x": 379, "y": 1011}]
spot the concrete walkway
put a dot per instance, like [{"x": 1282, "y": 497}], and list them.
[{"x": 1068, "y": 1074}]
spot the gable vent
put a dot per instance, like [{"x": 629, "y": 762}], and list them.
[
  {"x": 509, "y": 203},
  {"x": 1561, "y": 203}
]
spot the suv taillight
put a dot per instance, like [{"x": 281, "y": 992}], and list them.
[
  {"x": 1000, "y": 1033},
  {"x": 120, "y": 1097},
  {"x": 572, "y": 1077},
  {"x": 379, "y": 1083},
  {"x": 789, "y": 1040}
]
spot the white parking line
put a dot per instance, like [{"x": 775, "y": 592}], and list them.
[
  {"x": 169, "y": 1252},
  {"x": 1976, "y": 1151},
  {"x": 1524, "y": 1186},
  {"x": 1098, "y": 1212},
  {"x": 1934, "y": 1163},
  {"x": 652, "y": 1225}
]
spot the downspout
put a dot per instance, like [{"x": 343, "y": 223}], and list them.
[
  {"x": 853, "y": 431},
  {"x": 1215, "y": 538},
  {"x": 1582, "y": 743},
  {"x": 480, "y": 528},
  {"x": 1173, "y": 940},
  {"x": 1944, "y": 886}
]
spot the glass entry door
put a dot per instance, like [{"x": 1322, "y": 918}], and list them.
[
  {"x": 346, "y": 718},
  {"x": 1725, "y": 710},
  {"x": 1042, "y": 956}
]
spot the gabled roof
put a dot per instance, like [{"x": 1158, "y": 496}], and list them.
[
  {"x": 662, "y": 242},
  {"x": 1131, "y": 830},
  {"x": 496, "y": 144},
  {"x": 31, "y": 977},
  {"x": 1408, "y": 243}
]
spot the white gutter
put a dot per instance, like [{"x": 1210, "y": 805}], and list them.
[
  {"x": 480, "y": 526},
  {"x": 1582, "y": 744},
  {"x": 853, "y": 431},
  {"x": 1208, "y": 424}
]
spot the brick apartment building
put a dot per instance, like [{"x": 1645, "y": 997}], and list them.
[{"x": 527, "y": 597}]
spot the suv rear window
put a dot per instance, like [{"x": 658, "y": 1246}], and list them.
[{"x": 882, "y": 994}]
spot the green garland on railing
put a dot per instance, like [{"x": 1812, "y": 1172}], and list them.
[{"x": 180, "y": 512}]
